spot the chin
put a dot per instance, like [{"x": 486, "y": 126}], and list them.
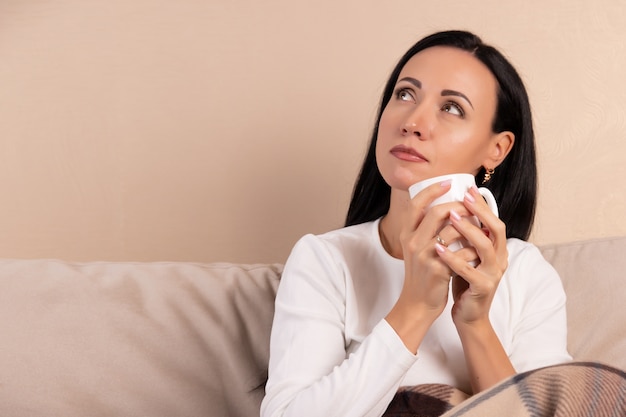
[
  {"x": 403, "y": 185},
  {"x": 401, "y": 179}
]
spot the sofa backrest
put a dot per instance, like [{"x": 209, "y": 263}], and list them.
[{"x": 593, "y": 274}]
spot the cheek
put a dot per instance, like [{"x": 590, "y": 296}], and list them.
[
  {"x": 378, "y": 149},
  {"x": 383, "y": 134},
  {"x": 383, "y": 127},
  {"x": 467, "y": 137},
  {"x": 388, "y": 122}
]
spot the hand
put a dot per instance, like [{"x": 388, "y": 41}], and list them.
[
  {"x": 473, "y": 288},
  {"x": 427, "y": 276}
]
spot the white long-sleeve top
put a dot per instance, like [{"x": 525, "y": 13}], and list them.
[{"x": 333, "y": 354}]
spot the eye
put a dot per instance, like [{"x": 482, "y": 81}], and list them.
[
  {"x": 453, "y": 108},
  {"x": 403, "y": 94}
]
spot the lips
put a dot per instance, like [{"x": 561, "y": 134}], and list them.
[{"x": 407, "y": 154}]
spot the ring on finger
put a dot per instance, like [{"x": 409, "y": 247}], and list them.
[{"x": 441, "y": 241}]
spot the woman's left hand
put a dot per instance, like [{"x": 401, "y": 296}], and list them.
[{"x": 474, "y": 287}]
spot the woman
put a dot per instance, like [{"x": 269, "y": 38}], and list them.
[{"x": 382, "y": 303}]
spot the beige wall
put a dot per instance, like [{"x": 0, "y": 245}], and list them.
[{"x": 211, "y": 130}]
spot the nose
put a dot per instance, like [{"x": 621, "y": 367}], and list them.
[
  {"x": 417, "y": 122},
  {"x": 411, "y": 129}
]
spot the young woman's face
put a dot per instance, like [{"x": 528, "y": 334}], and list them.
[{"x": 439, "y": 118}]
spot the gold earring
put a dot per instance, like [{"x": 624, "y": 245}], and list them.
[{"x": 488, "y": 173}]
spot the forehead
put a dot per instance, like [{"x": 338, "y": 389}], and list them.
[{"x": 443, "y": 67}]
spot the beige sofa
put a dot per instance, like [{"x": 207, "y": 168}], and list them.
[{"x": 185, "y": 339}]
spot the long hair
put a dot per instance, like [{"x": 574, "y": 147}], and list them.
[{"x": 514, "y": 183}]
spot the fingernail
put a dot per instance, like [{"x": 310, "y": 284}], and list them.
[
  {"x": 454, "y": 215},
  {"x": 470, "y": 198},
  {"x": 440, "y": 248},
  {"x": 445, "y": 183}
]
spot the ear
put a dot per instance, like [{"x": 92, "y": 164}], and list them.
[{"x": 500, "y": 146}]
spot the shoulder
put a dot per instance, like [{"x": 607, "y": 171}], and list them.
[
  {"x": 338, "y": 253},
  {"x": 339, "y": 243},
  {"x": 518, "y": 247},
  {"x": 529, "y": 270},
  {"x": 324, "y": 261},
  {"x": 525, "y": 254}
]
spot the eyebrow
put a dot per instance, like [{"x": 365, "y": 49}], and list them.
[
  {"x": 458, "y": 94},
  {"x": 418, "y": 84}
]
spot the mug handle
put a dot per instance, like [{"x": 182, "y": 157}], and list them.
[{"x": 490, "y": 199}]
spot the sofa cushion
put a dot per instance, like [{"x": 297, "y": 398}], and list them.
[
  {"x": 134, "y": 339},
  {"x": 184, "y": 339},
  {"x": 593, "y": 272}
]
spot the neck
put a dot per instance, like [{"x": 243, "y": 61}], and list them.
[{"x": 391, "y": 224}]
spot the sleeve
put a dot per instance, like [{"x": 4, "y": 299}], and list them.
[
  {"x": 540, "y": 330},
  {"x": 309, "y": 371}
]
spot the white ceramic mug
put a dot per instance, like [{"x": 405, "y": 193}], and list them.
[{"x": 460, "y": 184}]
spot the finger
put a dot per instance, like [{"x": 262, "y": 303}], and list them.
[
  {"x": 496, "y": 228},
  {"x": 493, "y": 263},
  {"x": 447, "y": 235},
  {"x": 459, "y": 286},
  {"x": 476, "y": 247},
  {"x": 420, "y": 206},
  {"x": 425, "y": 198},
  {"x": 463, "y": 269},
  {"x": 468, "y": 254},
  {"x": 474, "y": 235},
  {"x": 456, "y": 263}
]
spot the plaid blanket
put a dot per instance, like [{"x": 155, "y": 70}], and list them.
[{"x": 566, "y": 390}]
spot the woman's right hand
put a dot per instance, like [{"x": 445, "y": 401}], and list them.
[{"x": 427, "y": 278}]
